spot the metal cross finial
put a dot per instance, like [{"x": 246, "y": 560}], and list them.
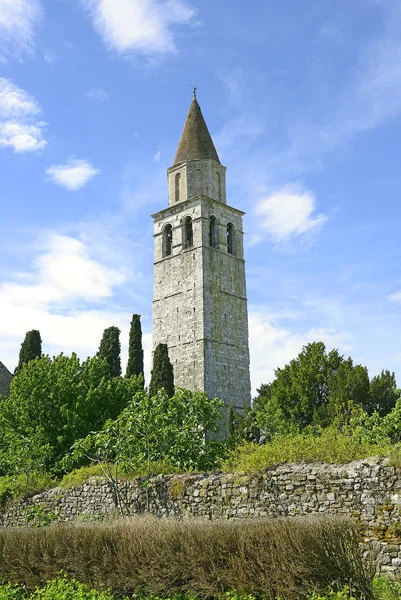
[{"x": 194, "y": 88}]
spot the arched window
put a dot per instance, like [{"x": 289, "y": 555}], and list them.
[
  {"x": 230, "y": 238},
  {"x": 177, "y": 187},
  {"x": 218, "y": 186},
  {"x": 167, "y": 240},
  {"x": 188, "y": 233},
  {"x": 213, "y": 232}
]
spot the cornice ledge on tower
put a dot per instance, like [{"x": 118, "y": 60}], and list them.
[{"x": 185, "y": 204}]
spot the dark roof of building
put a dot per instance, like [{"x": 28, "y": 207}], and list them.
[
  {"x": 5, "y": 380},
  {"x": 196, "y": 141}
]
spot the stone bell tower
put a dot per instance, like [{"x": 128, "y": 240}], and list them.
[{"x": 199, "y": 296}]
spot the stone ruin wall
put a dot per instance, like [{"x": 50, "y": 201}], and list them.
[{"x": 369, "y": 491}]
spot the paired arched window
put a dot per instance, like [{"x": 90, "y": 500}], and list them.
[
  {"x": 177, "y": 187},
  {"x": 213, "y": 232},
  {"x": 188, "y": 236},
  {"x": 167, "y": 240},
  {"x": 230, "y": 238}
]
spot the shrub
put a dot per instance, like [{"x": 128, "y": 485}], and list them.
[
  {"x": 12, "y": 592},
  {"x": 330, "y": 446},
  {"x": 13, "y": 487},
  {"x": 386, "y": 589},
  {"x": 69, "y": 589},
  {"x": 266, "y": 558}
]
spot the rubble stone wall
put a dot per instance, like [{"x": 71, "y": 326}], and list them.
[{"x": 369, "y": 491}]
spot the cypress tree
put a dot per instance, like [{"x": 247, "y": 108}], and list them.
[
  {"x": 31, "y": 348},
  {"x": 110, "y": 349},
  {"x": 162, "y": 375},
  {"x": 135, "y": 351}
]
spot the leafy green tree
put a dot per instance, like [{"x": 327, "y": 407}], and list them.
[
  {"x": 301, "y": 388},
  {"x": 31, "y": 348},
  {"x": 162, "y": 375},
  {"x": 110, "y": 349},
  {"x": 383, "y": 393},
  {"x": 55, "y": 401},
  {"x": 135, "y": 350},
  {"x": 348, "y": 386},
  {"x": 154, "y": 429}
]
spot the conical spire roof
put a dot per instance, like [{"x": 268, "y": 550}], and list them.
[{"x": 196, "y": 141}]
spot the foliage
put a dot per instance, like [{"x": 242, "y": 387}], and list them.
[
  {"x": 383, "y": 393},
  {"x": 81, "y": 475},
  {"x": 150, "y": 431},
  {"x": 328, "y": 445},
  {"x": 156, "y": 428},
  {"x": 15, "y": 486},
  {"x": 53, "y": 402},
  {"x": 166, "y": 557},
  {"x": 31, "y": 348},
  {"x": 69, "y": 589},
  {"x": 38, "y": 516},
  {"x": 162, "y": 375},
  {"x": 9, "y": 591},
  {"x": 319, "y": 388},
  {"x": 110, "y": 349},
  {"x": 135, "y": 350},
  {"x": 386, "y": 589}
]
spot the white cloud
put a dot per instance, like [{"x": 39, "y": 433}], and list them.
[
  {"x": 73, "y": 174},
  {"x": 18, "y": 20},
  {"x": 288, "y": 213},
  {"x": 20, "y": 126},
  {"x": 98, "y": 94},
  {"x": 156, "y": 157},
  {"x": 144, "y": 26},
  {"x": 396, "y": 297},
  {"x": 50, "y": 299}
]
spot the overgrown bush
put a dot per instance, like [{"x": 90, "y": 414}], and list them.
[
  {"x": 266, "y": 558},
  {"x": 329, "y": 446},
  {"x": 13, "y": 487}
]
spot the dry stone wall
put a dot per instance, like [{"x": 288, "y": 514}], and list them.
[{"x": 369, "y": 491}]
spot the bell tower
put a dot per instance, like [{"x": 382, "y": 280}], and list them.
[{"x": 199, "y": 296}]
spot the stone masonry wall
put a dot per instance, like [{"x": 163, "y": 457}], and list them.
[{"x": 369, "y": 491}]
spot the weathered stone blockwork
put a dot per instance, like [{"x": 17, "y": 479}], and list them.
[
  {"x": 369, "y": 491},
  {"x": 199, "y": 294}
]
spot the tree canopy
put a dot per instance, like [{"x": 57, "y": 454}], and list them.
[
  {"x": 110, "y": 349},
  {"x": 135, "y": 350},
  {"x": 162, "y": 375},
  {"x": 55, "y": 401},
  {"x": 31, "y": 348}
]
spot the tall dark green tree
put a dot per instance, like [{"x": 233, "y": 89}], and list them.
[
  {"x": 135, "y": 350},
  {"x": 162, "y": 376},
  {"x": 383, "y": 393},
  {"x": 31, "y": 348},
  {"x": 348, "y": 386},
  {"x": 110, "y": 349}
]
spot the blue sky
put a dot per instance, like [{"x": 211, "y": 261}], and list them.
[{"x": 303, "y": 100}]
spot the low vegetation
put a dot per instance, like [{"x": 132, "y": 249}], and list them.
[
  {"x": 283, "y": 557},
  {"x": 328, "y": 445}
]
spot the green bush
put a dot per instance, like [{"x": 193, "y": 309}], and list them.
[
  {"x": 81, "y": 475},
  {"x": 265, "y": 558},
  {"x": 330, "y": 447},
  {"x": 386, "y": 589},
  {"x": 69, "y": 589},
  {"x": 12, "y": 592},
  {"x": 13, "y": 487}
]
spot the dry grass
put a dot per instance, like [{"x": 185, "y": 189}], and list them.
[{"x": 266, "y": 558}]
